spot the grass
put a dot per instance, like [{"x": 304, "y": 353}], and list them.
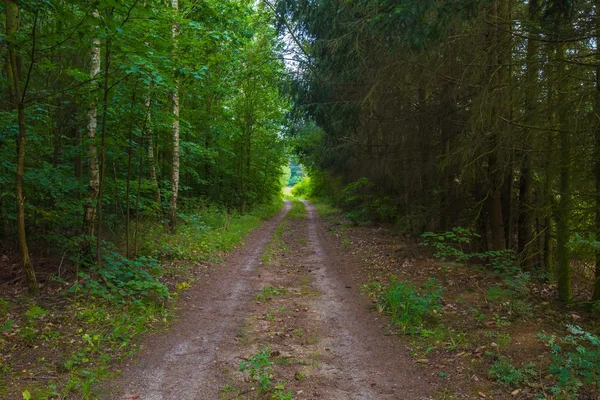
[
  {"x": 77, "y": 338},
  {"x": 298, "y": 210},
  {"x": 325, "y": 209},
  {"x": 267, "y": 293},
  {"x": 205, "y": 234}
]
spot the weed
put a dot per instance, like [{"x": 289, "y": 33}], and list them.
[
  {"x": 479, "y": 316},
  {"x": 268, "y": 293},
  {"x": 407, "y": 307},
  {"x": 445, "y": 394},
  {"x": 505, "y": 372},
  {"x": 29, "y": 335},
  {"x": 298, "y": 210},
  {"x": 35, "y": 312},
  {"x": 500, "y": 321},
  {"x": 496, "y": 294},
  {"x": 299, "y": 332},
  {"x": 573, "y": 370},
  {"x": 259, "y": 368}
]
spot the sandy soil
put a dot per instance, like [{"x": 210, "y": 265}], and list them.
[{"x": 322, "y": 337}]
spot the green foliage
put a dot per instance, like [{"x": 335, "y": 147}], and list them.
[
  {"x": 407, "y": 306},
  {"x": 205, "y": 232},
  {"x": 267, "y": 293},
  {"x": 575, "y": 362},
  {"x": 452, "y": 246},
  {"x": 449, "y": 246},
  {"x": 121, "y": 279},
  {"x": 364, "y": 207},
  {"x": 259, "y": 369},
  {"x": 505, "y": 372},
  {"x": 303, "y": 188}
]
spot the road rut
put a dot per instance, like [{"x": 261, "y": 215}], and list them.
[{"x": 324, "y": 341}]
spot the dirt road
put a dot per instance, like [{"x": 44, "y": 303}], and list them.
[{"x": 288, "y": 308}]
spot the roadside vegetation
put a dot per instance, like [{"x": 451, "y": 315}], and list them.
[
  {"x": 73, "y": 337},
  {"x": 483, "y": 324},
  {"x": 138, "y": 142}
]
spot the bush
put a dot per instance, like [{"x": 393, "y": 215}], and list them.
[
  {"x": 504, "y": 371},
  {"x": 575, "y": 362},
  {"x": 365, "y": 207},
  {"x": 302, "y": 188},
  {"x": 450, "y": 246},
  {"x": 407, "y": 307},
  {"x": 121, "y": 279}
]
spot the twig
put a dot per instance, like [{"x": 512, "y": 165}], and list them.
[{"x": 61, "y": 262}]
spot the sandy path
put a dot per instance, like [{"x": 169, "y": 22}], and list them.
[
  {"x": 200, "y": 354},
  {"x": 176, "y": 365}
]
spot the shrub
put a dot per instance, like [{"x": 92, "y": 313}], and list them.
[
  {"x": 450, "y": 246},
  {"x": 365, "y": 207},
  {"x": 504, "y": 371},
  {"x": 121, "y": 279},
  {"x": 575, "y": 362},
  {"x": 407, "y": 306},
  {"x": 302, "y": 188}
]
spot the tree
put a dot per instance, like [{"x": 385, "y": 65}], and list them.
[
  {"x": 18, "y": 100},
  {"x": 176, "y": 111},
  {"x": 91, "y": 204}
]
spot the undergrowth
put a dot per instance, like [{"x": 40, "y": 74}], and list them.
[
  {"x": 260, "y": 371},
  {"x": 108, "y": 309},
  {"x": 408, "y": 307}
]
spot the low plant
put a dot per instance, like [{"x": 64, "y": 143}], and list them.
[
  {"x": 267, "y": 293},
  {"x": 259, "y": 369},
  {"x": 407, "y": 306},
  {"x": 504, "y": 371},
  {"x": 575, "y": 362},
  {"x": 121, "y": 279}
]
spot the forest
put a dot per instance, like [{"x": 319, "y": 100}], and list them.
[
  {"x": 441, "y": 114},
  {"x": 119, "y": 115},
  {"x": 145, "y": 143}
]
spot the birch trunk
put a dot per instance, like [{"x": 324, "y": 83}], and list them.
[
  {"x": 92, "y": 150},
  {"x": 175, "y": 100}
]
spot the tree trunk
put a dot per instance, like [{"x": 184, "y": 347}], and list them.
[
  {"x": 18, "y": 97},
  {"x": 563, "y": 213},
  {"x": 92, "y": 150},
  {"x": 499, "y": 69},
  {"x": 596, "y": 294},
  {"x": 176, "y": 110},
  {"x": 525, "y": 244},
  {"x": 103, "y": 152},
  {"x": 494, "y": 206},
  {"x": 151, "y": 160}
]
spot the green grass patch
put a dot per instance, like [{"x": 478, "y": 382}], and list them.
[
  {"x": 298, "y": 210},
  {"x": 268, "y": 293},
  {"x": 205, "y": 233},
  {"x": 407, "y": 306}
]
